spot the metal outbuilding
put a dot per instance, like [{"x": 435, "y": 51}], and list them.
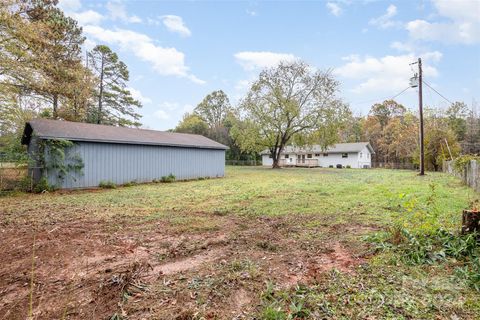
[{"x": 122, "y": 155}]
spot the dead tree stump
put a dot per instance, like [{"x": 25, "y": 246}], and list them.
[{"x": 470, "y": 221}]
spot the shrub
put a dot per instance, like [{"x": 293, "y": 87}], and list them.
[
  {"x": 339, "y": 166},
  {"x": 131, "y": 183},
  {"x": 107, "y": 184},
  {"x": 330, "y": 166},
  {"x": 168, "y": 179},
  {"x": 25, "y": 184},
  {"x": 348, "y": 166},
  {"x": 42, "y": 185},
  {"x": 461, "y": 162}
]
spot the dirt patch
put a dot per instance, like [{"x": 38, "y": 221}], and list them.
[
  {"x": 78, "y": 265},
  {"x": 299, "y": 268},
  {"x": 338, "y": 258},
  {"x": 354, "y": 228},
  {"x": 186, "y": 264},
  {"x": 90, "y": 269}
]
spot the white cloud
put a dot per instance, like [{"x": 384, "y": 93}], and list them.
[
  {"x": 72, "y": 9},
  {"x": 334, "y": 8},
  {"x": 168, "y": 109},
  {"x": 117, "y": 11},
  {"x": 165, "y": 61},
  {"x": 251, "y": 13},
  {"x": 70, "y": 5},
  {"x": 463, "y": 25},
  {"x": 385, "y": 74},
  {"x": 161, "y": 114},
  {"x": 137, "y": 95},
  {"x": 254, "y": 60},
  {"x": 402, "y": 46},
  {"x": 176, "y": 24},
  {"x": 243, "y": 85},
  {"x": 89, "y": 44},
  {"x": 87, "y": 17},
  {"x": 153, "y": 22},
  {"x": 385, "y": 21}
]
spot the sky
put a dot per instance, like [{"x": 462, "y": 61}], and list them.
[{"x": 179, "y": 51}]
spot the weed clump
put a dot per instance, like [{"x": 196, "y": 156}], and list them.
[
  {"x": 42, "y": 186},
  {"x": 107, "y": 184},
  {"x": 168, "y": 179},
  {"x": 419, "y": 237},
  {"x": 130, "y": 183}
]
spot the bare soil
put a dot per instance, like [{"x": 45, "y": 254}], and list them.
[{"x": 94, "y": 269}]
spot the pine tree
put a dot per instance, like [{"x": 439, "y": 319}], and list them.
[
  {"x": 115, "y": 104},
  {"x": 40, "y": 52}
]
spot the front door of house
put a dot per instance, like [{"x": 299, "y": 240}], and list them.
[{"x": 303, "y": 158}]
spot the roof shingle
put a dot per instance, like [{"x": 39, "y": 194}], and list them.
[{"x": 79, "y": 131}]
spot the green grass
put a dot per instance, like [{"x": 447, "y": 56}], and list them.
[
  {"x": 314, "y": 201},
  {"x": 339, "y": 196}
]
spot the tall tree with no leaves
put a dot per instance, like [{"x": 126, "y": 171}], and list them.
[
  {"x": 290, "y": 99},
  {"x": 115, "y": 105}
]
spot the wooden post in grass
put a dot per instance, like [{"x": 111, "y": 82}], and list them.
[{"x": 470, "y": 221}]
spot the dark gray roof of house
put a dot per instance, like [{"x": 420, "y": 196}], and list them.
[
  {"x": 336, "y": 148},
  {"x": 78, "y": 131}
]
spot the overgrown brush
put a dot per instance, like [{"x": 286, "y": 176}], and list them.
[
  {"x": 460, "y": 163},
  {"x": 418, "y": 236}
]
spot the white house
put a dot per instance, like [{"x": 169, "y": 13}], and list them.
[{"x": 354, "y": 155}]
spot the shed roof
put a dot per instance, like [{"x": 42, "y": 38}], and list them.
[
  {"x": 336, "y": 148},
  {"x": 79, "y": 131}
]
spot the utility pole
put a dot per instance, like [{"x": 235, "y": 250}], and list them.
[{"x": 420, "y": 107}]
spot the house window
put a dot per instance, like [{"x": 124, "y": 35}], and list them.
[
  {"x": 368, "y": 155},
  {"x": 360, "y": 154},
  {"x": 344, "y": 155},
  {"x": 286, "y": 156},
  {"x": 325, "y": 154},
  {"x": 317, "y": 154},
  {"x": 309, "y": 156}
]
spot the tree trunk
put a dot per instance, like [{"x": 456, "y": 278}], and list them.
[
  {"x": 276, "y": 158},
  {"x": 100, "y": 93},
  {"x": 275, "y": 164},
  {"x": 470, "y": 221},
  {"x": 55, "y": 106}
]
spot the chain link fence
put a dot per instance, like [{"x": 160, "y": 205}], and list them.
[
  {"x": 395, "y": 165},
  {"x": 15, "y": 176},
  {"x": 243, "y": 162}
]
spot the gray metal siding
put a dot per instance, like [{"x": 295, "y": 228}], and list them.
[{"x": 122, "y": 163}]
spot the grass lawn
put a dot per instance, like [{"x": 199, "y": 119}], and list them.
[{"x": 259, "y": 243}]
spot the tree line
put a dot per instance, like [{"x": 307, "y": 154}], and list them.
[
  {"x": 292, "y": 104},
  {"x": 45, "y": 73}
]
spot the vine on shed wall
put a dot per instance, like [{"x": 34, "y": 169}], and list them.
[{"x": 54, "y": 156}]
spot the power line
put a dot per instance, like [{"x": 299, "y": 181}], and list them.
[
  {"x": 437, "y": 92},
  {"x": 383, "y": 99},
  {"x": 400, "y": 93}
]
